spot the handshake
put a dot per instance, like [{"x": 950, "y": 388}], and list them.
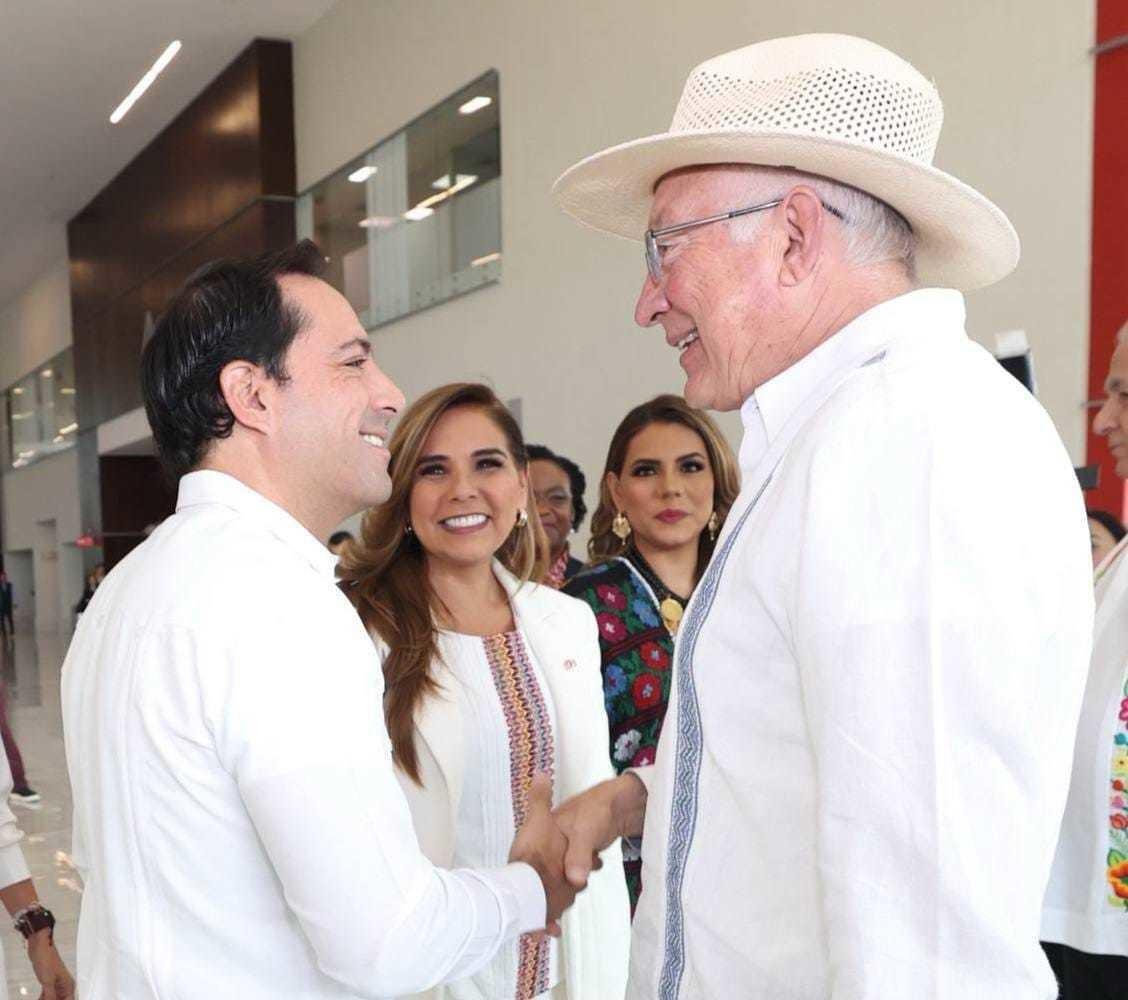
[{"x": 563, "y": 845}]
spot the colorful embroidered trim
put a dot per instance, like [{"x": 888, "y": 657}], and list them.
[
  {"x": 1118, "y": 810},
  {"x": 531, "y": 751},
  {"x": 554, "y": 578}
]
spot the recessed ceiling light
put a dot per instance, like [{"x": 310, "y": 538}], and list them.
[
  {"x": 361, "y": 174},
  {"x": 377, "y": 222},
  {"x": 475, "y": 104},
  {"x": 67, "y": 390},
  {"x": 144, "y": 83},
  {"x": 418, "y": 212},
  {"x": 69, "y": 429},
  {"x": 487, "y": 259},
  {"x": 47, "y": 373}
]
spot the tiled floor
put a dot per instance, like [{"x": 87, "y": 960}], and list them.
[{"x": 30, "y": 666}]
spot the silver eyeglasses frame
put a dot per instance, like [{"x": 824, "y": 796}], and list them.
[{"x": 653, "y": 250}]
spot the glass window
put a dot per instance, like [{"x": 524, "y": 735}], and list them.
[
  {"x": 417, "y": 219},
  {"x": 40, "y": 413}
]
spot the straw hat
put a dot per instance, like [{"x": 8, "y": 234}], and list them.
[{"x": 833, "y": 105}]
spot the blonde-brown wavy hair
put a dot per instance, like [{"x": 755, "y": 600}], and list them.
[
  {"x": 383, "y": 572},
  {"x": 664, "y": 409}
]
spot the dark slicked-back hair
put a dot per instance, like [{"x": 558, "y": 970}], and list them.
[{"x": 229, "y": 310}]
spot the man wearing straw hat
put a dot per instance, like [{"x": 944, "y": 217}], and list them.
[{"x": 878, "y": 679}]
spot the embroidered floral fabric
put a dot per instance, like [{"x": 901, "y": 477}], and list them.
[
  {"x": 1118, "y": 810},
  {"x": 637, "y": 653},
  {"x": 531, "y": 750}
]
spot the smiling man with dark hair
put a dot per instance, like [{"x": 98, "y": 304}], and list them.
[{"x": 220, "y": 690}]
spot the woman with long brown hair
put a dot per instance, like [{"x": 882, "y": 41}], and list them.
[
  {"x": 490, "y": 677},
  {"x": 668, "y": 484}
]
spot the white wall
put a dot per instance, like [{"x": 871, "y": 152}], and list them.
[
  {"x": 579, "y": 75},
  {"x": 41, "y": 517},
  {"x": 40, "y": 502},
  {"x": 36, "y": 324}
]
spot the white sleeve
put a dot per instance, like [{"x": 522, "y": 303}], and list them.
[
  {"x": 13, "y": 866},
  {"x": 940, "y": 634},
  {"x": 303, "y": 734}
]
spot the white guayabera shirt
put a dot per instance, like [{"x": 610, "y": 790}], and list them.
[
  {"x": 877, "y": 684},
  {"x": 237, "y": 820}
]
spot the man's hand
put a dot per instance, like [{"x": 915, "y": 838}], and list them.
[
  {"x": 592, "y": 820},
  {"x": 540, "y": 843},
  {"x": 49, "y": 969}
]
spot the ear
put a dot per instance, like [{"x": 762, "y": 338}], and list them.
[
  {"x": 612, "y": 481},
  {"x": 805, "y": 220},
  {"x": 247, "y": 391}
]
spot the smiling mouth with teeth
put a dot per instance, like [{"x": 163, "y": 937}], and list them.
[
  {"x": 464, "y": 521},
  {"x": 688, "y": 339},
  {"x": 373, "y": 439}
]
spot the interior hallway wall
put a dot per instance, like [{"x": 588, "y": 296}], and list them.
[
  {"x": 579, "y": 75},
  {"x": 41, "y": 516},
  {"x": 36, "y": 324}
]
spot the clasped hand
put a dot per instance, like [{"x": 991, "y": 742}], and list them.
[{"x": 563, "y": 846}]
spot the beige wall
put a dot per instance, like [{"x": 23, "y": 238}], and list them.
[
  {"x": 41, "y": 516},
  {"x": 36, "y": 324},
  {"x": 578, "y": 75}
]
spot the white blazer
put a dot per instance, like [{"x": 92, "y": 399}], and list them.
[{"x": 562, "y": 636}]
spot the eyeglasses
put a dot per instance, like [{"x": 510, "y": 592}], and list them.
[
  {"x": 654, "y": 251},
  {"x": 556, "y": 499}
]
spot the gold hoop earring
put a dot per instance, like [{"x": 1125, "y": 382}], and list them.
[
  {"x": 621, "y": 527},
  {"x": 714, "y": 524},
  {"x": 522, "y": 517}
]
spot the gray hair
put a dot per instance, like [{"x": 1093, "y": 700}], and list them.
[{"x": 873, "y": 232}]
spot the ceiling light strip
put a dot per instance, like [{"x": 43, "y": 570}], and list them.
[{"x": 145, "y": 82}]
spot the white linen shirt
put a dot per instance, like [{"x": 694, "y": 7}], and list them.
[
  {"x": 1082, "y": 910},
  {"x": 858, "y": 787},
  {"x": 237, "y": 819}
]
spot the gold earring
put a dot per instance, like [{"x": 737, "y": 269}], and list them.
[
  {"x": 522, "y": 517},
  {"x": 714, "y": 524},
  {"x": 621, "y": 527}
]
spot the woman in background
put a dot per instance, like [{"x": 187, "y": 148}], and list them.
[
  {"x": 668, "y": 484},
  {"x": 490, "y": 678},
  {"x": 1105, "y": 533},
  {"x": 558, "y": 488}
]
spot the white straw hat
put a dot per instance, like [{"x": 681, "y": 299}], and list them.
[{"x": 832, "y": 105}]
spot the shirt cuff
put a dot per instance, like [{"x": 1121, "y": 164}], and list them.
[
  {"x": 645, "y": 774},
  {"x": 521, "y": 901},
  {"x": 13, "y": 866}
]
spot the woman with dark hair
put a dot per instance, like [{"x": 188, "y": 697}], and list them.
[
  {"x": 1105, "y": 533},
  {"x": 489, "y": 677},
  {"x": 668, "y": 484},
  {"x": 558, "y": 488}
]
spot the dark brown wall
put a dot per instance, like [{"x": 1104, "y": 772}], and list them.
[
  {"x": 134, "y": 495},
  {"x": 218, "y": 181}
]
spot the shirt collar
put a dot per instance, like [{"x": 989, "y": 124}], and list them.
[
  {"x": 210, "y": 487},
  {"x": 915, "y": 313}
]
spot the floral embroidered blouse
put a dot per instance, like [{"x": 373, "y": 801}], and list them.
[{"x": 637, "y": 653}]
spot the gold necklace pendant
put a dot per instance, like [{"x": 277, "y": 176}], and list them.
[{"x": 671, "y": 614}]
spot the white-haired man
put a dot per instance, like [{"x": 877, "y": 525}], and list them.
[
  {"x": 1085, "y": 923},
  {"x": 878, "y": 679}
]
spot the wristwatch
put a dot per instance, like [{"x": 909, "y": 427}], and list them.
[{"x": 35, "y": 918}]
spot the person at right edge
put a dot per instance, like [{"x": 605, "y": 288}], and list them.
[
  {"x": 1085, "y": 919},
  {"x": 859, "y": 783}
]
